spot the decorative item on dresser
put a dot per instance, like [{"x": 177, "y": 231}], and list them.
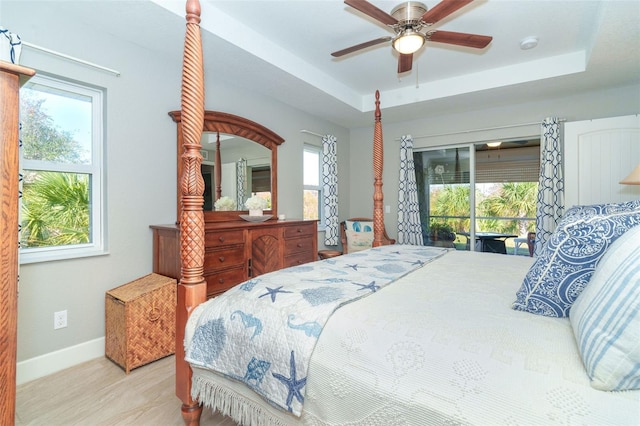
[
  {"x": 237, "y": 250},
  {"x": 11, "y": 78}
]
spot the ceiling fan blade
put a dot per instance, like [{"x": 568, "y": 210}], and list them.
[
  {"x": 361, "y": 46},
  {"x": 405, "y": 62},
  {"x": 371, "y": 10},
  {"x": 443, "y": 9},
  {"x": 460, "y": 39}
]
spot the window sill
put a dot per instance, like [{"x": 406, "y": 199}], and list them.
[{"x": 59, "y": 254}]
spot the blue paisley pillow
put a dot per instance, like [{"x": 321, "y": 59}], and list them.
[{"x": 571, "y": 254}]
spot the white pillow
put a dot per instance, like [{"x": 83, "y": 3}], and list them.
[
  {"x": 357, "y": 241},
  {"x": 606, "y": 317}
]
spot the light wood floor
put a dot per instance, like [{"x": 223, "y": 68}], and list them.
[{"x": 98, "y": 392}]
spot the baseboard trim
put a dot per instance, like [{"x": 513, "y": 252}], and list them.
[{"x": 43, "y": 365}]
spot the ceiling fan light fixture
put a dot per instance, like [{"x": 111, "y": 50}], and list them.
[{"x": 408, "y": 42}]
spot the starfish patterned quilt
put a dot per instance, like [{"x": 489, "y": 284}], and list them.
[{"x": 262, "y": 332}]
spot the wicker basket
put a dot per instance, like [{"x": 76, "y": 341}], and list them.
[{"x": 140, "y": 321}]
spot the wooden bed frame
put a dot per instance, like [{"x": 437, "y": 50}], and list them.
[{"x": 192, "y": 285}]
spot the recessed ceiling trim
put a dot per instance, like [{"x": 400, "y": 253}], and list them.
[
  {"x": 525, "y": 72},
  {"x": 235, "y": 32}
]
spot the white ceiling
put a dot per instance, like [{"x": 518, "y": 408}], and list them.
[{"x": 282, "y": 49}]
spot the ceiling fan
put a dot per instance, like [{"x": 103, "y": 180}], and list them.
[{"x": 407, "y": 20}]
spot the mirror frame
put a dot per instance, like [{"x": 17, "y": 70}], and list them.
[{"x": 215, "y": 121}]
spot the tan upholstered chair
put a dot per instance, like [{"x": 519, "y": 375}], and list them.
[{"x": 362, "y": 237}]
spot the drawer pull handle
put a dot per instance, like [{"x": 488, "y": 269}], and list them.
[
  {"x": 221, "y": 239},
  {"x": 220, "y": 280},
  {"x": 299, "y": 245},
  {"x": 299, "y": 230},
  {"x": 221, "y": 259}
]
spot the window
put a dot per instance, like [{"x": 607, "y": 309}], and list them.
[
  {"x": 500, "y": 182},
  {"x": 61, "y": 162},
  {"x": 312, "y": 165}
]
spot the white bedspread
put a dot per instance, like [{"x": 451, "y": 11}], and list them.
[
  {"x": 263, "y": 332},
  {"x": 443, "y": 346}
]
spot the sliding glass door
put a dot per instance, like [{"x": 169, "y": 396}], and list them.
[
  {"x": 490, "y": 185},
  {"x": 444, "y": 193}
]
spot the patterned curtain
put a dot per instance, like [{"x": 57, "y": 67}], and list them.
[
  {"x": 409, "y": 226},
  {"x": 330, "y": 189},
  {"x": 241, "y": 182},
  {"x": 10, "y": 46},
  {"x": 550, "y": 206}
]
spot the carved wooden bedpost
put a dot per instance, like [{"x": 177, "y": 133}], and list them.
[
  {"x": 192, "y": 286},
  {"x": 378, "y": 197}
]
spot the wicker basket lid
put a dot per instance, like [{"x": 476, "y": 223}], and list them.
[{"x": 140, "y": 287}]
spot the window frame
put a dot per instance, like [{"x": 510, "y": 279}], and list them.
[
  {"x": 319, "y": 188},
  {"x": 95, "y": 170}
]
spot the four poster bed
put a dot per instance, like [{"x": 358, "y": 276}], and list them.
[{"x": 391, "y": 335}]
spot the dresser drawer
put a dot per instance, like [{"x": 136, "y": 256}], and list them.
[
  {"x": 299, "y": 259},
  {"x": 223, "y": 258},
  {"x": 219, "y": 282},
  {"x": 297, "y": 245},
  {"x": 223, "y": 238},
  {"x": 299, "y": 231}
]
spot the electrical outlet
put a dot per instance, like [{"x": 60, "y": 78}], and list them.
[{"x": 59, "y": 319}]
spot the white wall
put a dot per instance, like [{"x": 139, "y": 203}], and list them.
[
  {"x": 141, "y": 176},
  {"x": 598, "y": 155},
  {"x": 589, "y": 105}
]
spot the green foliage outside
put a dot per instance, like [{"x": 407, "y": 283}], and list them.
[
  {"x": 55, "y": 205},
  {"x": 451, "y": 200},
  {"x": 55, "y": 209},
  {"x": 512, "y": 200}
]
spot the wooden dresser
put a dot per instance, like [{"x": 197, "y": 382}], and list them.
[
  {"x": 237, "y": 250},
  {"x": 11, "y": 78}
]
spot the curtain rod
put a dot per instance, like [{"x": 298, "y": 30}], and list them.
[
  {"x": 71, "y": 58},
  {"x": 480, "y": 130},
  {"x": 311, "y": 133}
]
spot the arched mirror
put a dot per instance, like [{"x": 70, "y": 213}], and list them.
[{"x": 240, "y": 158}]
